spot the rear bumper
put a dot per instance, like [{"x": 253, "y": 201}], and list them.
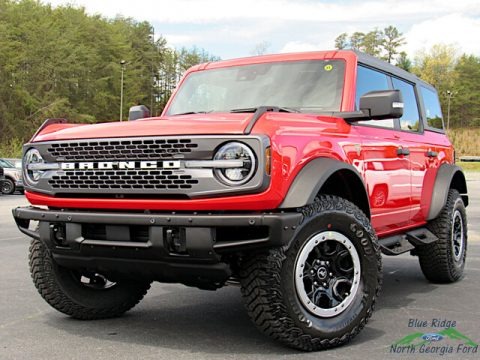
[{"x": 187, "y": 248}]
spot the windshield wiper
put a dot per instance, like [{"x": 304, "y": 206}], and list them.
[
  {"x": 258, "y": 113},
  {"x": 192, "y": 112},
  {"x": 267, "y": 108}
]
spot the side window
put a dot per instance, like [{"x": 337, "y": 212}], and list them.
[
  {"x": 371, "y": 80},
  {"x": 433, "y": 111},
  {"x": 411, "y": 117}
]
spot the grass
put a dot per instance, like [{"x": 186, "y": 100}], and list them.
[
  {"x": 465, "y": 141},
  {"x": 469, "y": 166}
]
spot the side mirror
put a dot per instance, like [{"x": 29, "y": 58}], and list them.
[
  {"x": 384, "y": 104},
  {"x": 138, "y": 112}
]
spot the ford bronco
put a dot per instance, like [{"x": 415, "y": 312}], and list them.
[{"x": 286, "y": 174}]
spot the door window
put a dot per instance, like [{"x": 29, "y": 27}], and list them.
[
  {"x": 411, "y": 117},
  {"x": 371, "y": 80}
]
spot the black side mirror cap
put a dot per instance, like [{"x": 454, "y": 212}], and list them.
[
  {"x": 138, "y": 112},
  {"x": 383, "y": 104}
]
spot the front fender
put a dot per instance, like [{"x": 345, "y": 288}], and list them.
[{"x": 310, "y": 180}]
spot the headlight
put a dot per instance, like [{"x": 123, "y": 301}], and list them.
[
  {"x": 31, "y": 169},
  {"x": 237, "y": 175}
]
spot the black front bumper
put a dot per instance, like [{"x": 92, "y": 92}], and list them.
[{"x": 169, "y": 247}]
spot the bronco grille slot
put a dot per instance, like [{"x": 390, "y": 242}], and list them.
[
  {"x": 122, "y": 179},
  {"x": 121, "y": 149}
]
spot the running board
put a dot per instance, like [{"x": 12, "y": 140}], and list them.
[{"x": 399, "y": 244}]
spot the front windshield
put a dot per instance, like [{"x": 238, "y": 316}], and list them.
[
  {"x": 306, "y": 86},
  {"x": 6, "y": 164}
]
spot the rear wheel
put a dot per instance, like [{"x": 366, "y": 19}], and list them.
[
  {"x": 81, "y": 294},
  {"x": 8, "y": 187},
  {"x": 444, "y": 260},
  {"x": 320, "y": 292}
]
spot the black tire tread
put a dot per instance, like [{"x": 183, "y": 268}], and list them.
[
  {"x": 435, "y": 258},
  {"x": 263, "y": 296},
  {"x": 41, "y": 269}
]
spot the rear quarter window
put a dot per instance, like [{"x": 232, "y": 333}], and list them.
[{"x": 433, "y": 112}]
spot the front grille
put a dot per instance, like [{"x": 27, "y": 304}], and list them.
[
  {"x": 122, "y": 179},
  {"x": 144, "y": 149}
]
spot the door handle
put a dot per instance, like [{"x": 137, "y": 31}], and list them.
[
  {"x": 432, "y": 154},
  {"x": 403, "y": 151}
]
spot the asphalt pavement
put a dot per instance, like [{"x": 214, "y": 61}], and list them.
[{"x": 177, "y": 322}]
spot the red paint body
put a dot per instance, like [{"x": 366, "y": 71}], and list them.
[{"x": 399, "y": 188}]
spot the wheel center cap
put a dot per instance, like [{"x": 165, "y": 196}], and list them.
[{"x": 322, "y": 273}]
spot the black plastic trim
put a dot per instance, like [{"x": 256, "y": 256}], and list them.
[
  {"x": 443, "y": 182},
  {"x": 312, "y": 177},
  {"x": 282, "y": 225}
]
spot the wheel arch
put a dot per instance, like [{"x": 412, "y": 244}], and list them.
[
  {"x": 448, "y": 177},
  {"x": 330, "y": 177}
]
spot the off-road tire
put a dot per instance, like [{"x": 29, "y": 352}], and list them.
[
  {"x": 61, "y": 290},
  {"x": 8, "y": 186},
  {"x": 437, "y": 260},
  {"x": 268, "y": 284}
]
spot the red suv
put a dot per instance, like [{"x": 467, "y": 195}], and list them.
[{"x": 287, "y": 174}]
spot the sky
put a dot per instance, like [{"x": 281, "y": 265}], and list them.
[{"x": 231, "y": 29}]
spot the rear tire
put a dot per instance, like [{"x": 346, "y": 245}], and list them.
[
  {"x": 320, "y": 292},
  {"x": 444, "y": 260},
  {"x": 82, "y": 295}
]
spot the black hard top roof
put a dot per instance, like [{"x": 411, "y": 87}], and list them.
[{"x": 386, "y": 67}]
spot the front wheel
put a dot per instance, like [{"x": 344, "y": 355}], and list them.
[
  {"x": 320, "y": 292},
  {"x": 8, "y": 187},
  {"x": 85, "y": 295}
]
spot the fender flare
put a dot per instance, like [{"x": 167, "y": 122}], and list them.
[
  {"x": 310, "y": 179},
  {"x": 447, "y": 175}
]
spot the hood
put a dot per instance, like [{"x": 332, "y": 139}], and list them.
[
  {"x": 270, "y": 123},
  {"x": 197, "y": 124}
]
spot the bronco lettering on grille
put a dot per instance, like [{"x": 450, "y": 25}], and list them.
[{"x": 110, "y": 165}]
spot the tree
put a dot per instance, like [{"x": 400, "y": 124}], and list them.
[
  {"x": 403, "y": 62},
  {"x": 384, "y": 43},
  {"x": 341, "y": 41},
  {"x": 437, "y": 67},
  {"x": 372, "y": 42},
  {"x": 465, "y": 104},
  {"x": 356, "y": 40},
  {"x": 392, "y": 40}
]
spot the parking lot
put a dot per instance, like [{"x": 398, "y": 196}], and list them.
[{"x": 176, "y": 322}]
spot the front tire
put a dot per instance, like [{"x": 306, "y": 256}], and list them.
[
  {"x": 82, "y": 295},
  {"x": 321, "y": 291},
  {"x": 8, "y": 187},
  {"x": 444, "y": 260}
]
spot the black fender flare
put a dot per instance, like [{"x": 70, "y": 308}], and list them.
[
  {"x": 448, "y": 176},
  {"x": 310, "y": 179}
]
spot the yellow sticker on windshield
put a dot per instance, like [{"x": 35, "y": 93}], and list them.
[{"x": 328, "y": 67}]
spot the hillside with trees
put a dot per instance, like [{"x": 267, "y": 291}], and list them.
[{"x": 62, "y": 62}]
